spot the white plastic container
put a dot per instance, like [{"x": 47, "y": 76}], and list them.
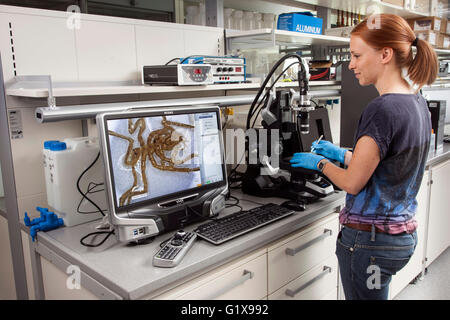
[
  {"x": 48, "y": 177},
  {"x": 66, "y": 161}
]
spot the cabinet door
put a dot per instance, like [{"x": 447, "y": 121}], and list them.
[
  {"x": 439, "y": 216},
  {"x": 414, "y": 266},
  {"x": 301, "y": 253},
  {"x": 319, "y": 283}
]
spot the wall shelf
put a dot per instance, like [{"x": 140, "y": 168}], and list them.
[
  {"x": 22, "y": 90},
  {"x": 82, "y": 90},
  {"x": 361, "y": 6},
  {"x": 263, "y": 38}
]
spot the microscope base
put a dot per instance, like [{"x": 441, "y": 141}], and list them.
[{"x": 265, "y": 186}]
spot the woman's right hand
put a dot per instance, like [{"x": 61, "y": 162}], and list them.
[{"x": 329, "y": 150}]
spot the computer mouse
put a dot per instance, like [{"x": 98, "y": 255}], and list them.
[{"x": 296, "y": 206}]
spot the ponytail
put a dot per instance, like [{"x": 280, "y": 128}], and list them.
[
  {"x": 424, "y": 67},
  {"x": 394, "y": 32}
]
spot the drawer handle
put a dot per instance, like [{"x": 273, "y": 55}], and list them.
[
  {"x": 294, "y": 251},
  {"x": 247, "y": 275},
  {"x": 325, "y": 271}
]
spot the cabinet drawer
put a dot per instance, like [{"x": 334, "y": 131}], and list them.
[
  {"x": 300, "y": 254},
  {"x": 248, "y": 281},
  {"x": 203, "y": 286},
  {"x": 316, "y": 284}
]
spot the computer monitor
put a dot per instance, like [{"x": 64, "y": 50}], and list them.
[{"x": 164, "y": 168}]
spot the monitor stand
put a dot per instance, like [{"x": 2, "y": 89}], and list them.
[{"x": 138, "y": 224}]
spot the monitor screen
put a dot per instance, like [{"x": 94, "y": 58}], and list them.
[{"x": 157, "y": 155}]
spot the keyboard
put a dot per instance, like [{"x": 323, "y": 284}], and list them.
[{"x": 223, "y": 229}]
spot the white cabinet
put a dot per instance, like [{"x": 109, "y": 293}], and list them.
[
  {"x": 308, "y": 270},
  {"x": 439, "y": 215},
  {"x": 244, "y": 278},
  {"x": 414, "y": 266}
]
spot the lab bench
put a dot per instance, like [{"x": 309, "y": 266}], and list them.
[
  {"x": 123, "y": 271},
  {"x": 252, "y": 266}
]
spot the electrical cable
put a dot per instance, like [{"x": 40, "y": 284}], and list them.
[
  {"x": 193, "y": 56},
  {"x": 108, "y": 233},
  {"x": 271, "y": 72},
  {"x": 79, "y": 189},
  {"x": 172, "y": 60},
  {"x": 91, "y": 186},
  {"x": 269, "y": 90}
]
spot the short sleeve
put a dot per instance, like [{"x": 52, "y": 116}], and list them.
[{"x": 377, "y": 123}]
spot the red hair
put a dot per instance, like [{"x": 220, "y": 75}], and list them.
[{"x": 390, "y": 30}]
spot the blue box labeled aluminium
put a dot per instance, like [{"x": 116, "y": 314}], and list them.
[{"x": 298, "y": 22}]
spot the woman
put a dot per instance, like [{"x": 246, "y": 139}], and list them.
[{"x": 387, "y": 164}]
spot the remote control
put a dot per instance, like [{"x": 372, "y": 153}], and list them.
[{"x": 174, "y": 250}]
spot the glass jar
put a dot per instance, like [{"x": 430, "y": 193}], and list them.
[
  {"x": 237, "y": 17},
  {"x": 268, "y": 20},
  {"x": 191, "y": 15},
  {"x": 248, "y": 23},
  {"x": 258, "y": 20},
  {"x": 228, "y": 18}
]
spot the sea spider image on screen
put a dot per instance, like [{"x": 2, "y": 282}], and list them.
[{"x": 153, "y": 156}]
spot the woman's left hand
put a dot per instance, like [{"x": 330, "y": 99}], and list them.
[{"x": 305, "y": 160}]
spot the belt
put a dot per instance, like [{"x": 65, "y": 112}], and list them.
[{"x": 363, "y": 227}]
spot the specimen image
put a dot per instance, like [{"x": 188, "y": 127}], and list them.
[{"x": 153, "y": 156}]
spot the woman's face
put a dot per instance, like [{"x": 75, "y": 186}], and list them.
[{"x": 365, "y": 61}]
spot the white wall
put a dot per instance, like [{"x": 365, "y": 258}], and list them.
[{"x": 103, "y": 49}]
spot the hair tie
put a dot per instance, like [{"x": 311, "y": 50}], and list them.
[{"x": 414, "y": 43}]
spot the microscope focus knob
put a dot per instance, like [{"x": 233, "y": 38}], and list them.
[{"x": 179, "y": 235}]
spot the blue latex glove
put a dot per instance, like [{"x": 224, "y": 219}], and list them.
[
  {"x": 329, "y": 150},
  {"x": 306, "y": 160}
]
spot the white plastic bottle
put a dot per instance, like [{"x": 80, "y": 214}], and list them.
[
  {"x": 66, "y": 162},
  {"x": 48, "y": 178}
]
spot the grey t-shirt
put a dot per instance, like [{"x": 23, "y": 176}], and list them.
[{"x": 400, "y": 124}]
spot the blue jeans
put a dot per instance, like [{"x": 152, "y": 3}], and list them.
[{"x": 366, "y": 266}]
